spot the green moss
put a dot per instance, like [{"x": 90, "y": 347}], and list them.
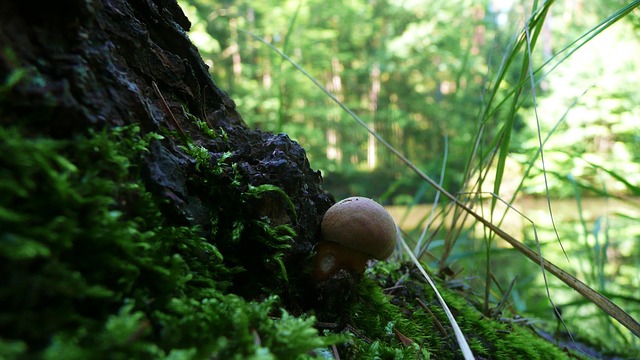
[
  {"x": 378, "y": 326},
  {"x": 91, "y": 265},
  {"x": 396, "y": 326}
]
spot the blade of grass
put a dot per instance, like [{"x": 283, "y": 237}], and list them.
[
  {"x": 462, "y": 342},
  {"x": 281, "y": 84},
  {"x": 540, "y": 144},
  {"x": 420, "y": 244},
  {"x": 600, "y": 251},
  {"x": 526, "y": 71},
  {"x": 528, "y": 39},
  {"x": 633, "y": 188},
  {"x": 567, "y": 51},
  {"x": 533, "y": 159},
  {"x": 587, "y": 36},
  {"x": 583, "y": 222}
]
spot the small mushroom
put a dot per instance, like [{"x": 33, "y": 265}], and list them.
[{"x": 354, "y": 230}]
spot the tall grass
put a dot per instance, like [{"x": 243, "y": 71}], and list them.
[{"x": 488, "y": 158}]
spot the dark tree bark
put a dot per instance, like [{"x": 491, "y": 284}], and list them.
[
  {"x": 101, "y": 64},
  {"x": 100, "y": 60}
]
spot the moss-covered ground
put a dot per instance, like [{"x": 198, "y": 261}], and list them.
[{"x": 92, "y": 267}]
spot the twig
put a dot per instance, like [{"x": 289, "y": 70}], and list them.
[
  {"x": 166, "y": 108},
  {"x": 336, "y": 355},
  {"x": 435, "y": 319}
]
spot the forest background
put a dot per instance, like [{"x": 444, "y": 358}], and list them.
[
  {"x": 442, "y": 82},
  {"x": 419, "y": 74}
]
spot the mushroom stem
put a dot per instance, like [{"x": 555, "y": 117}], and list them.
[{"x": 331, "y": 257}]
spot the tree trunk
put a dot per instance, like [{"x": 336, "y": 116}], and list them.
[
  {"x": 99, "y": 61},
  {"x": 73, "y": 68}
]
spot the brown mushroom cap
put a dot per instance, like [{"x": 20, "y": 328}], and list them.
[{"x": 361, "y": 224}]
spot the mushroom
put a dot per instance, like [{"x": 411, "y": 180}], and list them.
[{"x": 354, "y": 230}]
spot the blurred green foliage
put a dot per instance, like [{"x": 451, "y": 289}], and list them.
[{"x": 420, "y": 74}]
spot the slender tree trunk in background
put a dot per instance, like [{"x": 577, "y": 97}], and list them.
[
  {"x": 372, "y": 159},
  {"x": 234, "y": 51},
  {"x": 267, "y": 77},
  {"x": 334, "y": 151}
]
